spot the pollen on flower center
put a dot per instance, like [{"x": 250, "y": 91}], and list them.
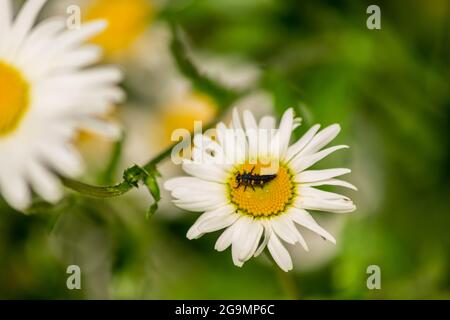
[
  {"x": 263, "y": 200},
  {"x": 14, "y": 98}
]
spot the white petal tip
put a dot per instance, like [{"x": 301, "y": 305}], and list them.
[{"x": 99, "y": 25}]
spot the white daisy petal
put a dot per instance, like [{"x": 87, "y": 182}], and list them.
[
  {"x": 300, "y": 144},
  {"x": 330, "y": 182},
  {"x": 252, "y": 135},
  {"x": 285, "y": 131},
  {"x": 321, "y": 139},
  {"x": 66, "y": 160},
  {"x": 239, "y": 235},
  {"x": 236, "y": 120},
  {"x": 5, "y": 18},
  {"x": 210, "y": 149},
  {"x": 300, "y": 163},
  {"x": 249, "y": 121},
  {"x": 194, "y": 232},
  {"x": 213, "y": 216},
  {"x": 225, "y": 239},
  {"x": 337, "y": 206},
  {"x": 24, "y": 21},
  {"x": 44, "y": 182},
  {"x": 267, "y": 233},
  {"x": 253, "y": 236},
  {"x": 310, "y": 192},
  {"x": 233, "y": 142},
  {"x": 297, "y": 123},
  {"x": 209, "y": 172},
  {"x": 303, "y": 218},
  {"x": 15, "y": 190},
  {"x": 210, "y": 204},
  {"x": 100, "y": 127},
  {"x": 192, "y": 183},
  {"x": 318, "y": 175},
  {"x": 283, "y": 230},
  {"x": 279, "y": 253},
  {"x": 218, "y": 223},
  {"x": 189, "y": 195},
  {"x": 302, "y": 240},
  {"x": 76, "y": 37},
  {"x": 39, "y": 39},
  {"x": 228, "y": 142},
  {"x": 80, "y": 58},
  {"x": 286, "y": 230},
  {"x": 265, "y": 139}
]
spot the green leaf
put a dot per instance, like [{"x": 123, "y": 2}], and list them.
[
  {"x": 151, "y": 211},
  {"x": 111, "y": 169},
  {"x": 152, "y": 185},
  {"x": 148, "y": 176}
]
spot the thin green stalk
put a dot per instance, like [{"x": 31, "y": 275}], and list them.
[
  {"x": 286, "y": 280},
  {"x": 97, "y": 191},
  {"x": 109, "y": 174}
]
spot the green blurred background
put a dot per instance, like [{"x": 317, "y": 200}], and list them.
[{"x": 388, "y": 88}]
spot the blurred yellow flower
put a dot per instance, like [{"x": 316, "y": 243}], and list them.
[
  {"x": 183, "y": 113},
  {"x": 127, "y": 20}
]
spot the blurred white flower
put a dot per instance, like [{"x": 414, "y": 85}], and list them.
[
  {"x": 47, "y": 94},
  {"x": 232, "y": 72},
  {"x": 229, "y": 184}
]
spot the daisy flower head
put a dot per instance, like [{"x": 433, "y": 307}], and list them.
[
  {"x": 47, "y": 93},
  {"x": 250, "y": 181}
]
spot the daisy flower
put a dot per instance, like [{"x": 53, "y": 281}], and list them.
[
  {"x": 47, "y": 94},
  {"x": 250, "y": 182}
]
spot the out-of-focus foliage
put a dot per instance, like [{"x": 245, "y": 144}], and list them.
[{"x": 389, "y": 90}]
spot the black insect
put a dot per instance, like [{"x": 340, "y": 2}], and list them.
[{"x": 249, "y": 179}]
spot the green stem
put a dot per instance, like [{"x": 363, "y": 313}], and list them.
[
  {"x": 112, "y": 167},
  {"x": 96, "y": 191},
  {"x": 286, "y": 280}
]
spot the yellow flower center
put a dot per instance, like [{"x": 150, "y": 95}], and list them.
[
  {"x": 14, "y": 98},
  {"x": 127, "y": 19},
  {"x": 262, "y": 200}
]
